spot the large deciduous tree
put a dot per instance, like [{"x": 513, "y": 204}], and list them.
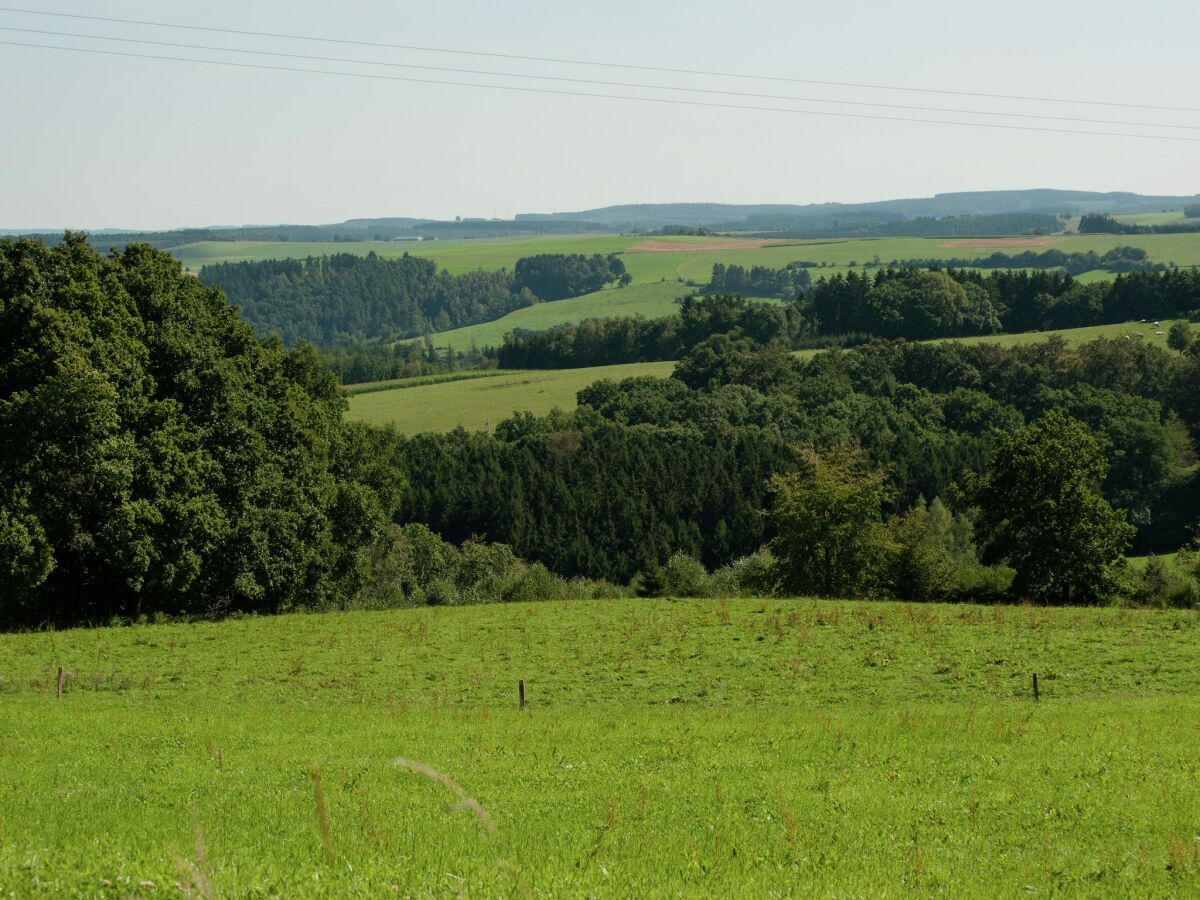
[
  {"x": 155, "y": 456},
  {"x": 1179, "y": 338},
  {"x": 830, "y": 538},
  {"x": 1041, "y": 510}
]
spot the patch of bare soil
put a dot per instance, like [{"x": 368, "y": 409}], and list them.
[{"x": 660, "y": 246}]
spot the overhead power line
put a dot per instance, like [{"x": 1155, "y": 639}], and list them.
[
  {"x": 592, "y": 81},
  {"x": 626, "y": 97},
  {"x": 611, "y": 65}
]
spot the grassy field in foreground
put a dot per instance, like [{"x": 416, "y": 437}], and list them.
[
  {"x": 743, "y": 748},
  {"x": 473, "y": 403}
]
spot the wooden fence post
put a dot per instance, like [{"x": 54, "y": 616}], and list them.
[
  {"x": 521, "y": 692},
  {"x": 1035, "y": 688},
  {"x": 58, "y": 692}
]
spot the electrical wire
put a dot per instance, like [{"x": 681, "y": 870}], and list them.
[
  {"x": 591, "y": 81},
  {"x": 612, "y": 65},
  {"x": 663, "y": 100}
]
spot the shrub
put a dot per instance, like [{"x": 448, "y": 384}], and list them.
[
  {"x": 1157, "y": 586},
  {"x": 976, "y": 583},
  {"x": 537, "y": 582},
  {"x": 756, "y": 575},
  {"x": 441, "y": 592},
  {"x": 649, "y": 581},
  {"x": 684, "y": 576}
]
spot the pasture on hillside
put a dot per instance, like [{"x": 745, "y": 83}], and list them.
[
  {"x": 1153, "y": 218},
  {"x": 651, "y": 300},
  {"x": 475, "y": 402},
  {"x": 1140, "y": 331},
  {"x": 725, "y": 748},
  {"x": 652, "y": 259}
]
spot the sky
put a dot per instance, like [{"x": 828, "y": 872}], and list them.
[{"x": 94, "y": 141}]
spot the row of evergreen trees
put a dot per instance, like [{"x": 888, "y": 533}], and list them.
[
  {"x": 1102, "y": 223},
  {"x": 760, "y": 281},
  {"x": 1118, "y": 259},
  {"x": 599, "y": 342}
]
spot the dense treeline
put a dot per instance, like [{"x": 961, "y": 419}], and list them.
[
  {"x": 648, "y": 464},
  {"x": 344, "y": 299},
  {"x": 359, "y": 363},
  {"x": 1102, "y": 223},
  {"x": 849, "y": 309},
  {"x": 350, "y": 231},
  {"x": 1118, "y": 259},
  {"x": 918, "y": 304},
  {"x": 989, "y": 225},
  {"x": 599, "y": 342},
  {"x": 156, "y": 457},
  {"x": 972, "y": 226},
  {"x": 682, "y": 230},
  {"x": 556, "y": 276},
  {"x": 344, "y": 233},
  {"x": 586, "y": 496},
  {"x": 761, "y": 281}
]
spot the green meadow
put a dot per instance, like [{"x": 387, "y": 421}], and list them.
[
  {"x": 1170, "y": 560},
  {"x": 1153, "y": 218},
  {"x": 697, "y": 259},
  {"x": 649, "y": 299},
  {"x": 455, "y": 255},
  {"x": 669, "y": 748},
  {"x": 475, "y": 403},
  {"x": 1149, "y": 334}
]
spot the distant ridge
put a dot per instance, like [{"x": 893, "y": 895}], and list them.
[
  {"x": 965, "y": 203},
  {"x": 645, "y": 216}
]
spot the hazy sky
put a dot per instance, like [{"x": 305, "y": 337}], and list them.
[{"x": 95, "y": 141}]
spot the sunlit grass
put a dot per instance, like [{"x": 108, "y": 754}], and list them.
[{"x": 698, "y": 748}]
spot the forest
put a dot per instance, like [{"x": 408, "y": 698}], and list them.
[
  {"x": 575, "y": 491},
  {"x": 162, "y": 460},
  {"x": 919, "y": 304},
  {"x": 761, "y": 281},
  {"x": 866, "y": 224},
  {"x": 1118, "y": 259},
  {"x": 157, "y": 457},
  {"x": 1102, "y": 223},
  {"x": 343, "y": 298}
]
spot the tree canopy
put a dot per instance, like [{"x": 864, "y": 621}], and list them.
[
  {"x": 1041, "y": 510},
  {"x": 829, "y": 536},
  {"x": 344, "y": 298},
  {"x": 155, "y": 456},
  {"x": 556, "y": 276}
]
